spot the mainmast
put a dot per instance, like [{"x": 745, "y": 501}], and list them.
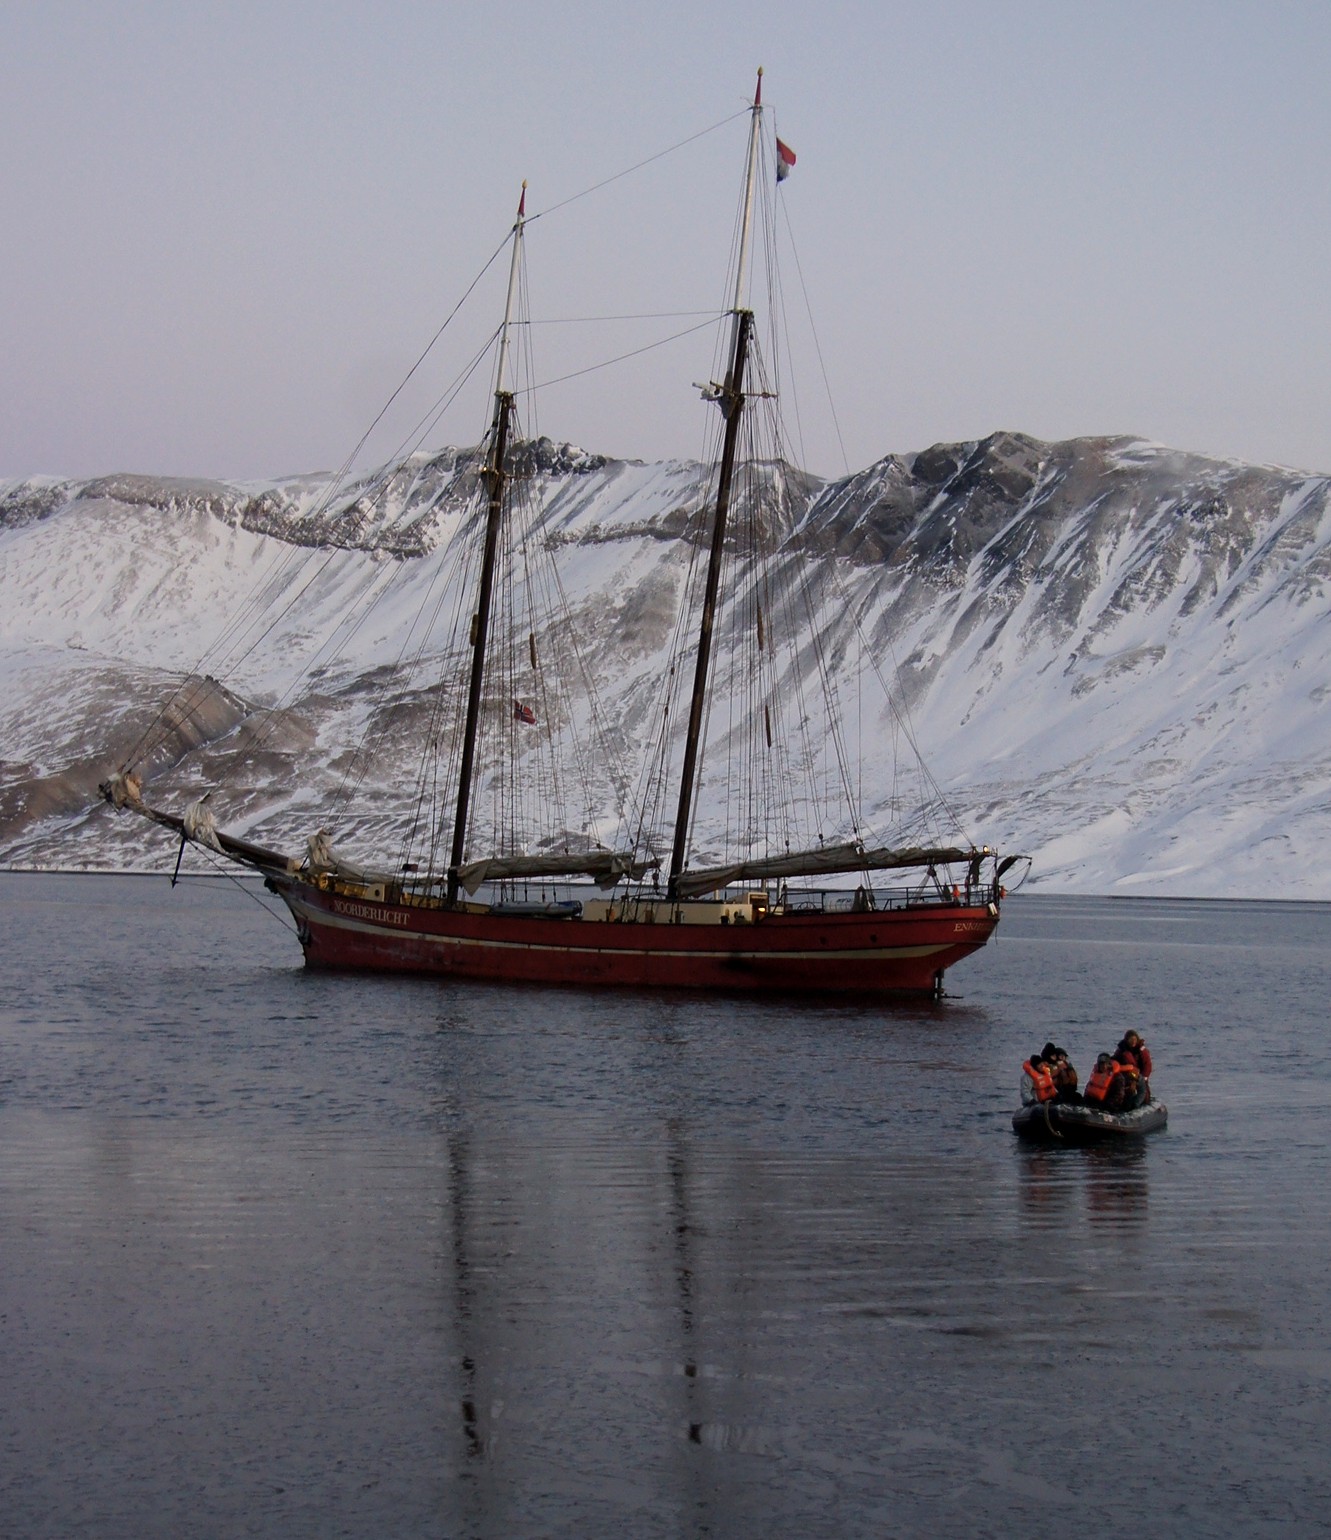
[
  {"x": 496, "y": 477},
  {"x": 730, "y": 398}
]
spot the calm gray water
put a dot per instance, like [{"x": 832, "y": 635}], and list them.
[{"x": 288, "y": 1254}]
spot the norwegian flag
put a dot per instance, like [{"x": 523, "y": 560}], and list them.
[
  {"x": 785, "y": 161},
  {"x": 523, "y": 713}
]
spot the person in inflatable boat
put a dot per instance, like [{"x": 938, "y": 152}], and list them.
[
  {"x": 1065, "y": 1077},
  {"x": 1127, "y": 1090},
  {"x": 1132, "y": 1050},
  {"x": 1097, "y": 1087},
  {"x": 1037, "y": 1081}
]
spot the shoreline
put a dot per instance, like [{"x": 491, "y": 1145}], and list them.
[{"x": 1022, "y": 898}]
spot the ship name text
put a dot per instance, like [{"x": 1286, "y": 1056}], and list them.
[{"x": 365, "y": 912}]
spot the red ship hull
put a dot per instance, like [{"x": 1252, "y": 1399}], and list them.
[{"x": 891, "y": 950}]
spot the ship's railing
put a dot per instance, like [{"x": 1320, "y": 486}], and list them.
[
  {"x": 773, "y": 898},
  {"x": 899, "y": 896}
]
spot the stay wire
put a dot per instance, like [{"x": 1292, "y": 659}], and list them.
[
  {"x": 429, "y": 347},
  {"x": 620, "y": 358},
  {"x": 222, "y": 871},
  {"x": 813, "y": 331},
  {"x": 629, "y": 171},
  {"x": 141, "y": 749},
  {"x": 336, "y": 643}
]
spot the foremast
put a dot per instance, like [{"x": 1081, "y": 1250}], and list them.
[
  {"x": 730, "y": 397},
  {"x": 496, "y": 478}
]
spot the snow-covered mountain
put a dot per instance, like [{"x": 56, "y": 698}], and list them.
[{"x": 1111, "y": 654}]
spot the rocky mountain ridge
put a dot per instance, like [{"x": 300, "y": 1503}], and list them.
[{"x": 1109, "y": 652}]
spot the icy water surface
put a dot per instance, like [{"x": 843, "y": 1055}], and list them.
[{"x": 288, "y": 1254}]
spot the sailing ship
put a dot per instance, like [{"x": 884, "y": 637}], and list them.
[{"x": 476, "y": 891}]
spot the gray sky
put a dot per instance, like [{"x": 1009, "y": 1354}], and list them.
[{"x": 229, "y": 229}]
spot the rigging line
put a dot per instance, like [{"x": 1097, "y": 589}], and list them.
[
  {"x": 363, "y": 755},
  {"x": 412, "y": 441},
  {"x": 654, "y": 771},
  {"x": 337, "y": 480},
  {"x": 235, "y": 632},
  {"x": 836, "y": 729},
  {"x": 628, "y": 171},
  {"x": 230, "y": 876},
  {"x": 425, "y": 353},
  {"x": 373, "y": 736},
  {"x": 372, "y": 494},
  {"x": 778, "y": 782},
  {"x": 813, "y": 757},
  {"x": 642, "y": 315},
  {"x": 143, "y": 748},
  {"x": 377, "y": 484},
  {"x": 525, "y": 363},
  {"x": 325, "y": 501},
  {"x": 268, "y": 717},
  {"x": 237, "y": 625},
  {"x": 781, "y": 337},
  {"x": 453, "y": 589},
  {"x": 827, "y": 676},
  {"x": 804, "y": 758},
  {"x": 234, "y": 660},
  {"x": 653, "y": 780},
  {"x": 461, "y": 590},
  {"x": 449, "y": 686},
  {"x": 902, "y": 716},
  {"x": 336, "y": 643},
  {"x": 817, "y": 345},
  {"x": 900, "y": 712},
  {"x": 374, "y": 486},
  {"x": 596, "y": 711},
  {"x": 421, "y": 832},
  {"x": 712, "y": 317},
  {"x": 277, "y": 579}
]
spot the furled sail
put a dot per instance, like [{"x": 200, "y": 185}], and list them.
[
  {"x": 322, "y": 859},
  {"x": 826, "y": 860},
  {"x": 605, "y": 867},
  {"x": 124, "y": 790}
]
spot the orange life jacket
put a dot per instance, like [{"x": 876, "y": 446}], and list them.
[
  {"x": 1045, "y": 1089},
  {"x": 1098, "y": 1084}
]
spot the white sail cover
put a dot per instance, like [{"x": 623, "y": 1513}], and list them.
[
  {"x": 824, "y": 861},
  {"x": 201, "y": 826},
  {"x": 606, "y": 867}
]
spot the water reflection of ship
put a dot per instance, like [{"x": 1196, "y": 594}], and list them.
[
  {"x": 500, "y": 1236},
  {"x": 596, "y": 1277},
  {"x": 473, "y": 1436},
  {"x": 683, "y": 1262}
]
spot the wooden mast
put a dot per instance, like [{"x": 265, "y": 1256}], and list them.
[
  {"x": 496, "y": 476},
  {"x": 730, "y": 398}
]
